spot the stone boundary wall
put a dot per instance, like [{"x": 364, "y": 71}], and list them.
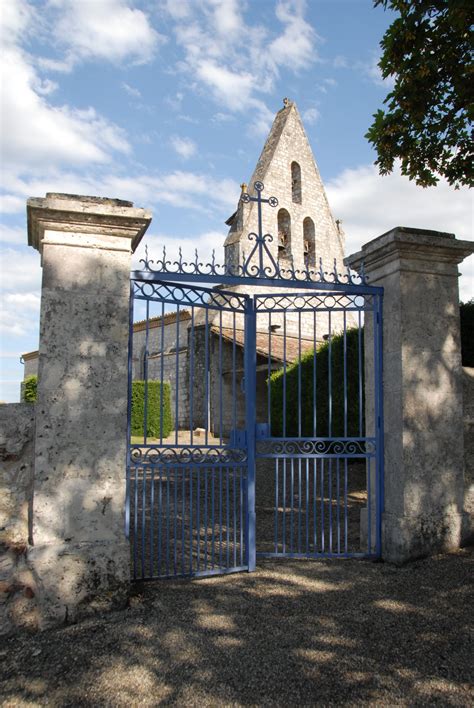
[
  {"x": 468, "y": 417},
  {"x": 17, "y": 587}
]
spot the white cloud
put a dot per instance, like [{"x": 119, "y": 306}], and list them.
[
  {"x": 185, "y": 147},
  {"x": 105, "y": 29},
  {"x": 204, "y": 243},
  {"x": 295, "y": 48},
  {"x": 20, "y": 281},
  {"x": 35, "y": 132},
  {"x": 15, "y": 17},
  {"x": 178, "y": 10},
  {"x": 226, "y": 17},
  {"x": 369, "y": 205},
  {"x": 372, "y": 70},
  {"x": 178, "y": 188},
  {"x": 311, "y": 115},
  {"x": 175, "y": 102},
  {"x": 13, "y": 235},
  {"x": 134, "y": 92},
  {"x": 222, "y": 117},
  {"x": 30, "y": 300},
  {"x": 233, "y": 89},
  {"x": 11, "y": 204},
  {"x": 20, "y": 271},
  {"x": 237, "y": 62},
  {"x": 14, "y": 322}
]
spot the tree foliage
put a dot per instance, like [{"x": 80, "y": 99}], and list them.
[
  {"x": 158, "y": 409},
  {"x": 428, "y": 122},
  {"x": 30, "y": 388},
  {"x": 323, "y": 389}
]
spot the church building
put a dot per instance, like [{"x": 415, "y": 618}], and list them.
[{"x": 203, "y": 349}]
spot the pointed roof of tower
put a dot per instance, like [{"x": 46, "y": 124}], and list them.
[
  {"x": 271, "y": 143},
  {"x": 281, "y": 133}
]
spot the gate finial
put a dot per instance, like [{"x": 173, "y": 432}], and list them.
[{"x": 260, "y": 247}]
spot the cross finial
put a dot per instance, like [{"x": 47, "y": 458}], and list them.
[
  {"x": 260, "y": 239},
  {"x": 246, "y": 198}
]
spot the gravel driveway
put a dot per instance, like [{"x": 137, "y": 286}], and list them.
[{"x": 293, "y": 633}]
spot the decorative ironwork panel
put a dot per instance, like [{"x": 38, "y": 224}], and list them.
[
  {"x": 311, "y": 302},
  {"x": 209, "y": 456},
  {"x": 258, "y": 263},
  {"x": 314, "y": 447},
  {"x": 187, "y": 295}
]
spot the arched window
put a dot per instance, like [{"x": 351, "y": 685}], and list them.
[
  {"x": 309, "y": 243},
  {"x": 284, "y": 234},
  {"x": 296, "y": 182}
]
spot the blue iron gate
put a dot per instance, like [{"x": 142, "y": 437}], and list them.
[{"x": 247, "y": 427}]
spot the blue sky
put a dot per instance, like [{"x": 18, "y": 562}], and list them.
[{"x": 168, "y": 103}]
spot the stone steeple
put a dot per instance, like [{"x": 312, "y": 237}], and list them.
[{"x": 302, "y": 225}]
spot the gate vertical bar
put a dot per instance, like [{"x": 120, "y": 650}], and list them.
[
  {"x": 379, "y": 423},
  {"x": 129, "y": 411},
  {"x": 250, "y": 377}
]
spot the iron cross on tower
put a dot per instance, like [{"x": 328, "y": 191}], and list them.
[{"x": 260, "y": 238}]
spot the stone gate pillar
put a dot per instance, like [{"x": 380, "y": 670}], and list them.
[
  {"x": 80, "y": 556},
  {"x": 422, "y": 383}
]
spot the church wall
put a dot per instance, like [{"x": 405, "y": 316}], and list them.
[
  {"x": 226, "y": 365},
  {"x": 172, "y": 360},
  {"x": 30, "y": 367},
  {"x": 224, "y": 362},
  {"x": 199, "y": 415}
]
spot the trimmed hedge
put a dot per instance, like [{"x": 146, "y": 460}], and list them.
[
  {"x": 154, "y": 418},
  {"x": 322, "y": 390},
  {"x": 30, "y": 388},
  {"x": 466, "y": 310}
]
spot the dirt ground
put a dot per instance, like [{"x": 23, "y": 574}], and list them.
[{"x": 340, "y": 632}]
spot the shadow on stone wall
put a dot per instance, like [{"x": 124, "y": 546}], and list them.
[
  {"x": 424, "y": 484},
  {"x": 17, "y": 428}
]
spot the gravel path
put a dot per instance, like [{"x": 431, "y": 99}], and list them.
[{"x": 293, "y": 633}]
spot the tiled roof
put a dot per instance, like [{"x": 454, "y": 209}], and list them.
[
  {"x": 278, "y": 352},
  {"x": 169, "y": 318},
  {"x": 30, "y": 355},
  {"x": 263, "y": 344}
]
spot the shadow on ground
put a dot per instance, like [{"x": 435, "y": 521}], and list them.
[{"x": 330, "y": 632}]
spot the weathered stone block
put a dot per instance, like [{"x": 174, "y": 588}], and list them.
[
  {"x": 467, "y": 532},
  {"x": 419, "y": 535},
  {"x": 77, "y": 580}
]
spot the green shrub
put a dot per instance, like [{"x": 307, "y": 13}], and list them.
[
  {"x": 466, "y": 310},
  {"x": 156, "y": 418},
  {"x": 30, "y": 388},
  {"x": 308, "y": 367}
]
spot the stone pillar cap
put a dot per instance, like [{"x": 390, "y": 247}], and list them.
[
  {"x": 85, "y": 214},
  {"x": 423, "y": 244}
]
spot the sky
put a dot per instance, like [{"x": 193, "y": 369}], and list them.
[{"x": 167, "y": 103}]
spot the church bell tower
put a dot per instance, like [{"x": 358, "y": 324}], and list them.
[{"x": 302, "y": 226}]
